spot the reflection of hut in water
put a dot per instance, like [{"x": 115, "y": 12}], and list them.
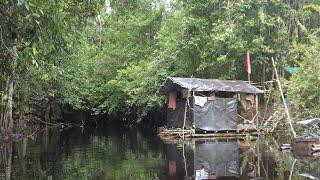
[
  {"x": 211, "y": 104},
  {"x": 208, "y": 159},
  {"x": 180, "y": 161},
  {"x": 219, "y": 159}
]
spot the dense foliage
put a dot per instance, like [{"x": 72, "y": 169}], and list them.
[
  {"x": 110, "y": 57},
  {"x": 36, "y": 39},
  {"x": 304, "y": 86}
]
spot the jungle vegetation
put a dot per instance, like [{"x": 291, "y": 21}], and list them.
[{"x": 109, "y": 57}]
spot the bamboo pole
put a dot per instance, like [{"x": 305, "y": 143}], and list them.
[
  {"x": 185, "y": 113},
  {"x": 268, "y": 99},
  {"x": 258, "y": 157},
  {"x": 264, "y": 169},
  {"x": 292, "y": 168},
  {"x": 282, "y": 96},
  {"x": 257, "y": 108}
]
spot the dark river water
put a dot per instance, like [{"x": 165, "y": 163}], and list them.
[{"x": 115, "y": 154}]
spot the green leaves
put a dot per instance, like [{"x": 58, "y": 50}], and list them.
[
  {"x": 303, "y": 88},
  {"x": 44, "y": 34},
  {"x": 115, "y": 63},
  {"x": 143, "y": 44}
]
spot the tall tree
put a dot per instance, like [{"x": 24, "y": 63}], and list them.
[{"x": 36, "y": 37}]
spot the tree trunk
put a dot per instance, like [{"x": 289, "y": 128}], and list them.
[
  {"x": 6, "y": 116},
  {"x": 47, "y": 114},
  {"x": 21, "y": 122}
]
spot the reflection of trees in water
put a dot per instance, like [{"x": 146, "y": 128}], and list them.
[
  {"x": 6, "y": 160},
  {"x": 35, "y": 157},
  {"x": 78, "y": 154},
  {"x": 113, "y": 158}
]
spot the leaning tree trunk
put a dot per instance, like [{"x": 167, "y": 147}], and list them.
[
  {"x": 6, "y": 116},
  {"x": 10, "y": 40}
]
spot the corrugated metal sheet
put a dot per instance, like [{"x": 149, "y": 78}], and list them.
[{"x": 197, "y": 84}]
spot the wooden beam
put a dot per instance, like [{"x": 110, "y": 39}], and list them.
[{"x": 257, "y": 108}]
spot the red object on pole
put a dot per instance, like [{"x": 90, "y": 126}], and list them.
[{"x": 247, "y": 65}]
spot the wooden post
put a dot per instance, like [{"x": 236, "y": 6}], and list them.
[
  {"x": 257, "y": 108},
  {"x": 282, "y": 96},
  {"x": 185, "y": 113},
  {"x": 258, "y": 158}
]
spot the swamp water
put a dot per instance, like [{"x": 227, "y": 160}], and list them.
[{"x": 114, "y": 154}]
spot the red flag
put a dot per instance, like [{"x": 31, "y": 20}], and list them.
[{"x": 247, "y": 65}]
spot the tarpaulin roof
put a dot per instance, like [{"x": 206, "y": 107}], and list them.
[
  {"x": 197, "y": 84},
  {"x": 310, "y": 122},
  {"x": 291, "y": 70}
]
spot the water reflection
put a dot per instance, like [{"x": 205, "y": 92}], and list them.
[
  {"x": 212, "y": 159},
  {"x": 216, "y": 159},
  {"x": 116, "y": 154},
  {"x": 237, "y": 159},
  {"x": 83, "y": 154},
  {"x": 6, "y": 160}
]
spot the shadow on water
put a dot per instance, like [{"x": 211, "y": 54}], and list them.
[{"x": 116, "y": 154}]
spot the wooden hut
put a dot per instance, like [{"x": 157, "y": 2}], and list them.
[{"x": 208, "y": 104}]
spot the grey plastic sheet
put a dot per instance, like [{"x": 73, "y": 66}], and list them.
[
  {"x": 175, "y": 117},
  {"x": 217, "y": 115}
]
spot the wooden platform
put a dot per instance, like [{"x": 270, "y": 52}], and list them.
[{"x": 189, "y": 134}]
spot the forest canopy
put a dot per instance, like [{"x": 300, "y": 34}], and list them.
[{"x": 110, "y": 57}]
